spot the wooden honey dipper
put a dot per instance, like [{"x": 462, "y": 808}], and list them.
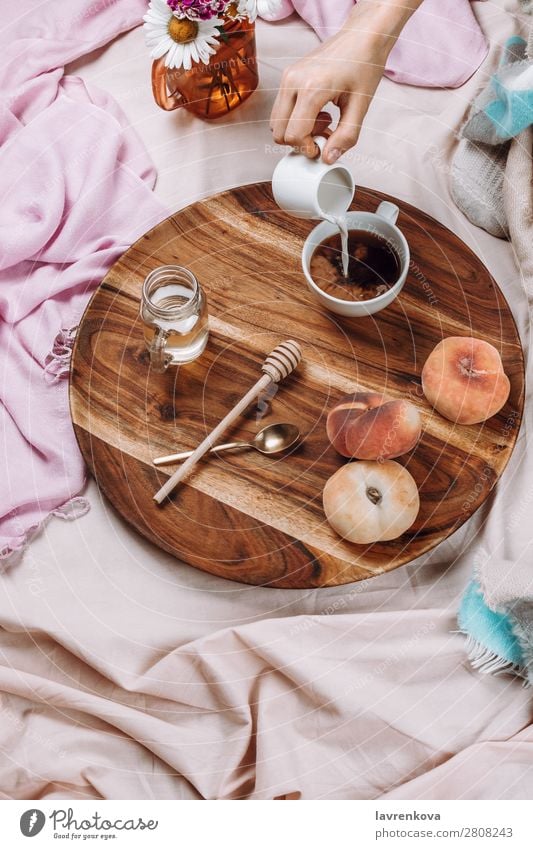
[{"x": 278, "y": 365}]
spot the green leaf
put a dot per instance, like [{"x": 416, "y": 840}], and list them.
[{"x": 223, "y": 35}]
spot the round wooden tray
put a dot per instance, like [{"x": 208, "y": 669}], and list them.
[{"x": 258, "y": 519}]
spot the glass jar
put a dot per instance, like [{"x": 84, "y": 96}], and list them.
[
  {"x": 174, "y": 313},
  {"x": 213, "y": 90}
]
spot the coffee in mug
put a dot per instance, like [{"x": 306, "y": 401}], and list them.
[{"x": 373, "y": 266}]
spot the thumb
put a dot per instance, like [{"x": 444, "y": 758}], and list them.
[{"x": 346, "y": 134}]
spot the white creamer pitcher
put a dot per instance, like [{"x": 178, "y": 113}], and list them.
[{"x": 309, "y": 188}]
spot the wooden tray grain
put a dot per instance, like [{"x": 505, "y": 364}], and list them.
[{"x": 257, "y": 519}]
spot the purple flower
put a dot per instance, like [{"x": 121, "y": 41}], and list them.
[{"x": 202, "y": 10}]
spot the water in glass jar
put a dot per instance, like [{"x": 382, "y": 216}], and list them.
[{"x": 185, "y": 337}]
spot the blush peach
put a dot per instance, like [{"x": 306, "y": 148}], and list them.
[
  {"x": 370, "y": 426},
  {"x": 464, "y": 380}
]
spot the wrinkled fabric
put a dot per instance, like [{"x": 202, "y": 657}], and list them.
[
  {"x": 518, "y": 199},
  {"x": 496, "y": 611},
  {"x": 126, "y": 674},
  {"x": 441, "y": 45},
  {"x": 505, "y": 107},
  {"x": 75, "y": 189}
]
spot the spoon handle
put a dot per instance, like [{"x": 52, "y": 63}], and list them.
[
  {"x": 279, "y": 364},
  {"x": 221, "y": 428},
  {"x": 174, "y": 458}
]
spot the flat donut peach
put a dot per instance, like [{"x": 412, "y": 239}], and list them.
[
  {"x": 368, "y": 502},
  {"x": 464, "y": 380}
]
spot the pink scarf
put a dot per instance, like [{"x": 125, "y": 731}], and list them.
[
  {"x": 75, "y": 190},
  {"x": 441, "y": 46}
]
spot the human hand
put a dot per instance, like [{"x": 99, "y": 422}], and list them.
[{"x": 345, "y": 70}]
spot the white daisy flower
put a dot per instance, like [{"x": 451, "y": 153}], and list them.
[
  {"x": 266, "y": 8},
  {"x": 182, "y": 40},
  {"x": 252, "y": 8}
]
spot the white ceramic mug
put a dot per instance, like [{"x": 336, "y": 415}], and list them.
[
  {"x": 309, "y": 188},
  {"x": 383, "y": 223}
]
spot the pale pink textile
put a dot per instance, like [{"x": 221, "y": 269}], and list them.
[
  {"x": 440, "y": 46},
  {"x": 125, "y": 674},
  {"x": 75, "y": 190}
]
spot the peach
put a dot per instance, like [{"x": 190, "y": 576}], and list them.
[
  {"x": 370, "y": 426},
  {"x": 464, "y": 380},
  {"x": 367, "y": 502}
]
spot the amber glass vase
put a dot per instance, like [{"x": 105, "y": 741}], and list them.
[{"x": 213, "y": 90}]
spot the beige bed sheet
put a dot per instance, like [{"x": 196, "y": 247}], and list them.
[{"x": 125, "y": 674}]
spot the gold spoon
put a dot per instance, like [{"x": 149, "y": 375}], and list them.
[{"x": 271, "y": 440}]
